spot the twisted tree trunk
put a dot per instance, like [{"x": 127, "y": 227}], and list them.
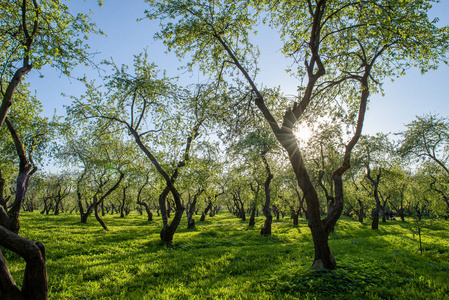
[{"x": 34, "y": 285}]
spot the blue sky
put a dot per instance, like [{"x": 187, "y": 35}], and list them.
[{"x": 408, "y": 96}]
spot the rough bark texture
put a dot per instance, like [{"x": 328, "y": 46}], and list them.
[
  {"x": 34, "y": 286},
  {"x": 323, "y": 256},
  {"x": 26, "y": 170}
]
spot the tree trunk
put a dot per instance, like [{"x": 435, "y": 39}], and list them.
[
  {"x": 3, "y": 201},
  {"x": 122, "y": 206},
  {"x": 139, "y": 202},
  {"x": 8, "y": 95},
  {"x": 163, "y": 206},
  {"x": 361, "y": 212},
  {"x": 276, "y": 212},
  {"x": 57, "y": 204},
  {"x": 375, "y": 184},
  {"x": 97, "y": 216},
  {"x": 26, "y": 170},
  {"x": 168, "y": 231},
  {"x": 208, "y": 207},
  {"x": 295, "y": 217},
  {"x": 191, "y": 211},
  {"x": 241, "y": 208},
  {"x": 102, "y": 209},
  {"x": 375, "y": 222},
  {"x": 147, "y": 209},
  {"x": 323, "y": 256},
  {"x": 252, "y": 218},
  {"x": 85, "y": 215},
  {"x": 266, "y": 229},
  {"x": 34, "y": 285}
]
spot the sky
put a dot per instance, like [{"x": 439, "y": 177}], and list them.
[{"x": 408, "y": 96}]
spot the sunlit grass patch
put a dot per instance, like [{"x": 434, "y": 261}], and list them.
[{"x": 224, "y": 258}]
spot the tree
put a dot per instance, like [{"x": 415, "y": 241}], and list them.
[
  {"x": 161, "y": 118},
  {"x": 33, "y": 34},
  {"x": 427, "y": 140},
  {"x": 376, "y": 161},
  {"x": 57, "y": 188},
  {"x": 433, "y": 186},
  {"x": 38, "y": 33},
  {"x": 258, "y": 145},
  {"x": 324, "y": 149},
  {"x": 29, "y": 136},
  {"x": 100, "y": 157},
  {"x": 201, "y": 177},
  {"x": 344, "y": 46}
]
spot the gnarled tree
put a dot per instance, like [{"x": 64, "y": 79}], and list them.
[{"x": 343, "y": 49}]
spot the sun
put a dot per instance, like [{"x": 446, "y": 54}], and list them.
[{"x": 303, "y": 133}]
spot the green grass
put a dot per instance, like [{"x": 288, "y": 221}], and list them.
[{"x": 225, "y": 259}]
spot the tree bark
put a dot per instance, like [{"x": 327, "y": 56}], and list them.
[
  {"x": 3, "y": 201},
  {"x": 252, "y": 218},
  {"x": 323, "y": 256},
  {"x": 295, "y": 217},
  {"x": 266, "y": 229},
  {"x": 97, "y": 216},
  {"x": 375, "y": 222},
  {"x": 26, "y": 170},
  {"x": 34, "y": 285},
  {"x": 139, "y": 201},
  {"x": 122, "y": 206},
  {"x": 361, "y": 211},
  {"x": 375, "y": 184},
  {"x": 163, "y": 206},
  {"x": 208, "y": 207},
  {"x": 12, "y": 86},
  {"x": 191, "y": 211},
  {"x": 168, "y": 232},
  {"x": 147, "y": 209},
  {"x": 85, "y": 215}
]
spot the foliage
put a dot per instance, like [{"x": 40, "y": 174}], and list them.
[
  {"x": 44, "y": 32},
  {"x": 427, "y": 138}
]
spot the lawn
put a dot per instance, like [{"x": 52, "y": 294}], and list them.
[{"x": 223, "y": 258}]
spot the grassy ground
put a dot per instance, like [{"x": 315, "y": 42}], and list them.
[{"x": 225, "y": 259}]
